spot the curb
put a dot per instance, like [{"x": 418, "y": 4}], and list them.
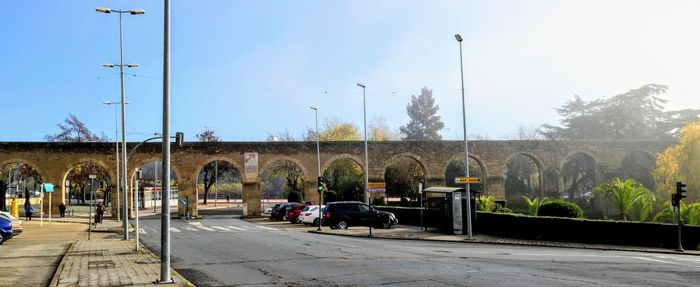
[
  {"x": 610, "y": 248},
  {"x": 59, "y": 268},
  {"x": 186, "y": 282}
]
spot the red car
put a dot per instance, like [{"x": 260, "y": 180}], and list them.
[{"x": 294, "y": 211}]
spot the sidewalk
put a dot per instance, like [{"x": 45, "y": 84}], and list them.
[
  {"x": 110, "y": 262},
  {"x": 406, "y": 232}
]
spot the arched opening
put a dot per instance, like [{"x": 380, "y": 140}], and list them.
[
  {"x": 522, "y": 179},
  {"x": 639, "y": 165},
  {"x": 456, "y": 169},
  {"x": 402, "y": 177},
  {"x": 579, "y": 176},
  {"x": 345, "y": 180},
  {"x": 82, "y": 189},
  {"x": 19, "y": 181},
  {"x": 150, "y": 192},
  {"x": 219, "y": 182},
  {"x": 281, "y": 181},
  {"x": 552, "y": 183}
]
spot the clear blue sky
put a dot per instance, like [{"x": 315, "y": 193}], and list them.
[{"x": 250, "y": 68}]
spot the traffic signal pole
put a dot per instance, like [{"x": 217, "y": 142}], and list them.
[{"x": 676, "y": 202}]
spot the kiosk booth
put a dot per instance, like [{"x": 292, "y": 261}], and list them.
[{"x": 446, "y": 208}]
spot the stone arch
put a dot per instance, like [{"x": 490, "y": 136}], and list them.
[
  {"x": 325, "y": 164},
  {"x": 140, "y": 162},
  {"x": 200, "y": 165},
  {"x": 70, "y": 166},
  {"x": 449, "y": 181},
  {"x": 29, "y": 163},
  {"x": 565, "y": 158},
  {"x": 579, "y": 178},
  {"x": 269, "y": 162},
  {"x": 514, "y": 196},
  {"x": 477, "y": 159},
  {"x": 410, "y": 155},
  {"x": 639, "y": 165}
]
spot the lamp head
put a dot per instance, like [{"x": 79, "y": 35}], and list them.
[
  {"x": 134, "y": 65},
  {"x": 103, "y": 10},
  {"x": 137, "y": 12},
  {"x": 108, "y": 65},
  {"x": 107, "y": 102},
  {"x": 361, "y": 85},
  {"x": 458, "y": 37},
  {"x": 314, "y": 108}
]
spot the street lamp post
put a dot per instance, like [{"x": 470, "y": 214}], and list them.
[
  {"x": 123, "y": 102},
  {"x": 116, "y": 147},
  {"x": 165, "y": 276},
  {"x": 318, "y": 159},
  {"x": 466, "y": 146},
  {"x": 364, "y": 112}
]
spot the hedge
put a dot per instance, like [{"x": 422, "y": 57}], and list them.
[{"x": 567, "y": 229}]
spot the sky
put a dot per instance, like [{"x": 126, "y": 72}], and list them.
[{"x": 248, "y": 69}]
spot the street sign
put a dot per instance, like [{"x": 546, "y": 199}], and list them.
[
  {"x": 467, "y": 180},
  {"x": 92, "y": 176},
  {"x": 378, "y": 190},
  {"x": 371, "y": 185},
  {"x": 48, "y": 187},
  {"x": 184, "y": 201}
]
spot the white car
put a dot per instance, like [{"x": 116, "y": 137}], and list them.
[{"x": 310, "y": 215}]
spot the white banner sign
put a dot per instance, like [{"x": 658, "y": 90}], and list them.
[{"x": 251, "y": 165}]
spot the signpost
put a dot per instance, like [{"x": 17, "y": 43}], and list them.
[
  {"x": 92, "y": 198},
  {"x": 377, "y": 187},
  {"x": 48, "y": 188},
  {"x": 464, "y": 180}
]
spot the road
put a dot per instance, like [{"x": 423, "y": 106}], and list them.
[{"x": 227, "y": 251}]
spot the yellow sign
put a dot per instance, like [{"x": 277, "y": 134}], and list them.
[
  {"x": 467, "y": 180},
  {"x": 376, "y": 185}
]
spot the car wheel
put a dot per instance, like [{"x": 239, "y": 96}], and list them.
[
  {"x": 342, "y": 225},
  {"x": 316, "y": 222},
  {"x": 2, "y": 239}
]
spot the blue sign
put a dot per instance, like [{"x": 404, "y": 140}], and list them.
[
  {"x": 48, "y": 187},
  {"x": 184, "y": 201}
]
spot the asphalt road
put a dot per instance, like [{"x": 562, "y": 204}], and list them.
[{"x": 226, "y": 251}]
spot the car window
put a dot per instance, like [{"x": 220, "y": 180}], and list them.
[
  {"x": 363, "y": 208},
  {"x": 305, "y": 208}
]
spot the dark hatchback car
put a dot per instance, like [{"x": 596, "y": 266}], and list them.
[
  {"x": 343, "y": 214},
  {"x": 281, "y": 212}
]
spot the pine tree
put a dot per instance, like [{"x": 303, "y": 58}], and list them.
[{"x": 424, "y": 124}]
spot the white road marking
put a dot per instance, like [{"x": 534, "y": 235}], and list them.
[
  {"x": 190, "y": 228},
  {"x": 173, "y": 229},
  {"x": 221, "y": 228},
  {"x": 205, "y": 228},
  {"x": 237, "y": 228},
  {"x": 142, "y": 231},
  {"x": 655, "y": 260},
  {"x": 268, "y": 228}
]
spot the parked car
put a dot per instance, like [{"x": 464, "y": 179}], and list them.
[
  {"x": 274, "y": 209},
  {"x": 310, "y": 215},
  {"x": 16, "y": 223},
  {"x": 343, "y": 214},
  {"x": 281, "y": 212},
  {"x": 5, "y": 229},
  {"x": 294, "y": 213}
]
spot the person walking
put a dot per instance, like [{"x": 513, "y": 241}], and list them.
[
  {"x": 228, "y": 198},
  {"x": 28, "y": 210},
  {"x": 62, "y": 210},
  {"x": 99, "y": 212}
]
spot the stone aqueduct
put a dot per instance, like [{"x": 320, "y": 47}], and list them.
[{"x": 53, "y": 161}]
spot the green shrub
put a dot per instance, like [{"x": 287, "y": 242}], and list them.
[
  {"x": 294, "y": 196},
  {"x": 560, "y": 208},
  {"x": 330, "y": 196}
]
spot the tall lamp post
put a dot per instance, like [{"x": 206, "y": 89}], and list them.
[
  {"x": 318, "y": 162},
  {"x": 121, "y": 65},
  {"x": 364, "y": 112},
  {"x": 165, "y": 276},
  {"x": 116, "y": 147},
  {"x": 466, "y": 147}
]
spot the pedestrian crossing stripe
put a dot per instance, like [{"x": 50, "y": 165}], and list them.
[
  {"x": 223, "y": 228},
  {"x": 236, "y": 228},
  {"x": 190, "y": 228},
  {"x": 205, "y": 228},
  {"x": 268, "y": 228},
  {"x": 173, "y": 229}
]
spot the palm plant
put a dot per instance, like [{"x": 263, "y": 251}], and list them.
[
  {"x": 690, "y": 213},
  {"x": 485, "y": 203},
  {"x": 625, "y": 195},
  {"x": 533, "y": 205}
]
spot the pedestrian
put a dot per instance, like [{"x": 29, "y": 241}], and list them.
[
  {"x": 100, "y": 210},
  {"x": 28, "y": 210},
  {"x": 62, "y": 210},
  {"x": 228, "y": 198}
]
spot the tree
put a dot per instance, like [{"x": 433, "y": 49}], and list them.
[
  {"x": 636, "y": 114},
  {"x": 625, "y": 195},
  {"x": 379, "y": 131},
  {"x": 336, "y": 130},
  {"x": 424, "y": 124},
  {"x": 79, "y": 178},
  {"x": 292, "y": 174},
  {"x": 207, "y": 135},
  {"x": 73, "y": 130},
  {"x": 346, "y": 178},
  {"x": 680, "y": 163},
  {"x": 402, "y": 178}
]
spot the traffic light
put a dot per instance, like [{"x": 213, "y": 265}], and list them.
[
  {"x": 321, "y": 185},
  {"x": 680, "y": 190},
  {"x": 179, "y": 138}
]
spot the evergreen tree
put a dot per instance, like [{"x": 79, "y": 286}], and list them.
[{"x": 424, "y": 124}]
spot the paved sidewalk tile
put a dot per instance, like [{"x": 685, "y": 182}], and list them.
[{"x": 110, "y": 262}]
